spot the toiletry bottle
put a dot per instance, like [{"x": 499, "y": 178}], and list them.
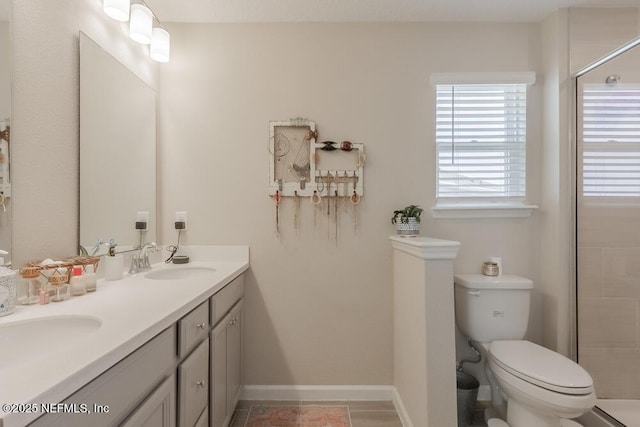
[
  {"x": 90, "y": 278},
  {"x": 43, "y": 297},
  {"x": 77, "y": 283}
]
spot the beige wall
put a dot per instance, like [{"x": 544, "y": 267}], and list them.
[
  {"x": 317, "y": 312},
  {"x": 595, "y": 32},
  {"x": 556, "y": 231},
  {"x": 45, "y": 122},
  {"x": 5, "y": 70}
]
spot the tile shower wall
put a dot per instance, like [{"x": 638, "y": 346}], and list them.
[{"x": 609, "y": 298}]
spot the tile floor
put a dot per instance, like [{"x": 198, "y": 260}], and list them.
[
  {"x": 625, "y": 411},
  {"x": 363, "y": 413}
]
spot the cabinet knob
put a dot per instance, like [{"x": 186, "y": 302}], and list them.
[
  {"x": 201, "y": 383},
  {"x": 201, "y": 325}
]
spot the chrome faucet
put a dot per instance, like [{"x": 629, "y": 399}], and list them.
[{"x": 140, "y": 261}]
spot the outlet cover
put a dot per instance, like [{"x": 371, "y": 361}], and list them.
[{"x": 142, "y": 216}]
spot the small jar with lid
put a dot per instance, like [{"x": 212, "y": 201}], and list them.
[
  {"x": 490, "y": 268},
  {"x": 29, "y": 286}
]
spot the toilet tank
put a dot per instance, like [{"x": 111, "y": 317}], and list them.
[{"x": 490, "y": 308}]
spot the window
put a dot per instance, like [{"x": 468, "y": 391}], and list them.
[
  {"x": 481, "y": 142},
  {"x": 611, "y": 140}
]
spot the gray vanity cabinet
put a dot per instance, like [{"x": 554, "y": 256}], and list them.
[
  {"x": 226, "y": 352},
  {"x": 189, "y": 375}
]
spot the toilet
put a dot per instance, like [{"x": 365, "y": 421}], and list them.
[{"x": 541, "y": 387}]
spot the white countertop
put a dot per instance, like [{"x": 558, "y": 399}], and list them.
[{"x": 132, "y": 311}]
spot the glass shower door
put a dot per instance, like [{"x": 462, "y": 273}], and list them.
[{"x": 608, "y": 233}]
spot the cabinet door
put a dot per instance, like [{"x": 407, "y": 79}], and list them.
[
  {"x": 234, "y": 357},
  {"x": 218, "y": 398},
  {"x": 158, "y": 410},
  {"x": 193, "y": 375}
]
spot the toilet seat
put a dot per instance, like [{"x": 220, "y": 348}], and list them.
[{"x": 541, "y": 367}]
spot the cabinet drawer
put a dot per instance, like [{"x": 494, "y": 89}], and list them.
[
  {"x": 193, "y": 376},
  {"x": 225, "y": 298},
  {"x": 193, "y": 328}
]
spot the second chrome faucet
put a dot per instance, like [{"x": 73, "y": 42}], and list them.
[{"x": 140, "y": 261}]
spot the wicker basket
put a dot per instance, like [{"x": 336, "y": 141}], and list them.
[
  {"x": 56, "y": 274},
  {"x": 84, "y": 261}
]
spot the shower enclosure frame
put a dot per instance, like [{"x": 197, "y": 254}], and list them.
[{"x": 597, "y": 416}]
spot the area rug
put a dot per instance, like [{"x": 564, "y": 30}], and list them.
[{"x": 298, "y": 416}]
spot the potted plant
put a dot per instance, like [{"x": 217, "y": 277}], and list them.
[{"x": 407, "y": 220}]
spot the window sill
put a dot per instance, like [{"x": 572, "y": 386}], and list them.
[{"x": 482, "y": 211}]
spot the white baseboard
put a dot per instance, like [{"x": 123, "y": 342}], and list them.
[
  {"x": 317, "y": 392},
  {"x": 400, "y": 409},
  {"x": 328, "y": 392}
]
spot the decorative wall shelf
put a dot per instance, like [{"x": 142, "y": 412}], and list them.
[{"x": 300, "y": 166}]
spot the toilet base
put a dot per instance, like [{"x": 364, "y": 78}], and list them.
[
  {"x": 519, "y": 415},
  {"x": 496, "y": 412},
  {"x": 498, "y": 422}
]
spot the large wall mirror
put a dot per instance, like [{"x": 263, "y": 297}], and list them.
[
  {"x": 5, "y": 122},
  {"x": 117, "y": 152}
]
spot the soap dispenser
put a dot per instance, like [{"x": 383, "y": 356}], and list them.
[{"x": 7, "y": 289}]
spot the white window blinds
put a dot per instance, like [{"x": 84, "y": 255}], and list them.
[
  {"x": 611, "y": 140},
  {"x": 481, "y": 142}
]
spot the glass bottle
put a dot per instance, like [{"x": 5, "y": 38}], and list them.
[
  {"x": 90, "y": 278},
  {"x": 29, "y": 286},
  {"x": 77, "y": 283}
]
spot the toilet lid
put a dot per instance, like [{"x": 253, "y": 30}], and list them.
[{"x": 541, "y": 366}]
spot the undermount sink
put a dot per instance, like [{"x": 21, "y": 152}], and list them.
[
  {"x": 181, "y": 273},
  {"x": 26, "y": 340}
]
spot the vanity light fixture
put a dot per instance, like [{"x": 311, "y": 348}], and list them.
[
  {"x": 160, "y": 45},
  {"x": 141, "y": 23},
  {"x": 117, "y": 9},
  {"x": 144, "y": 27}
]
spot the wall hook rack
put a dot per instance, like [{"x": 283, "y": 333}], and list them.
[{"x": 300, "y": 166}]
